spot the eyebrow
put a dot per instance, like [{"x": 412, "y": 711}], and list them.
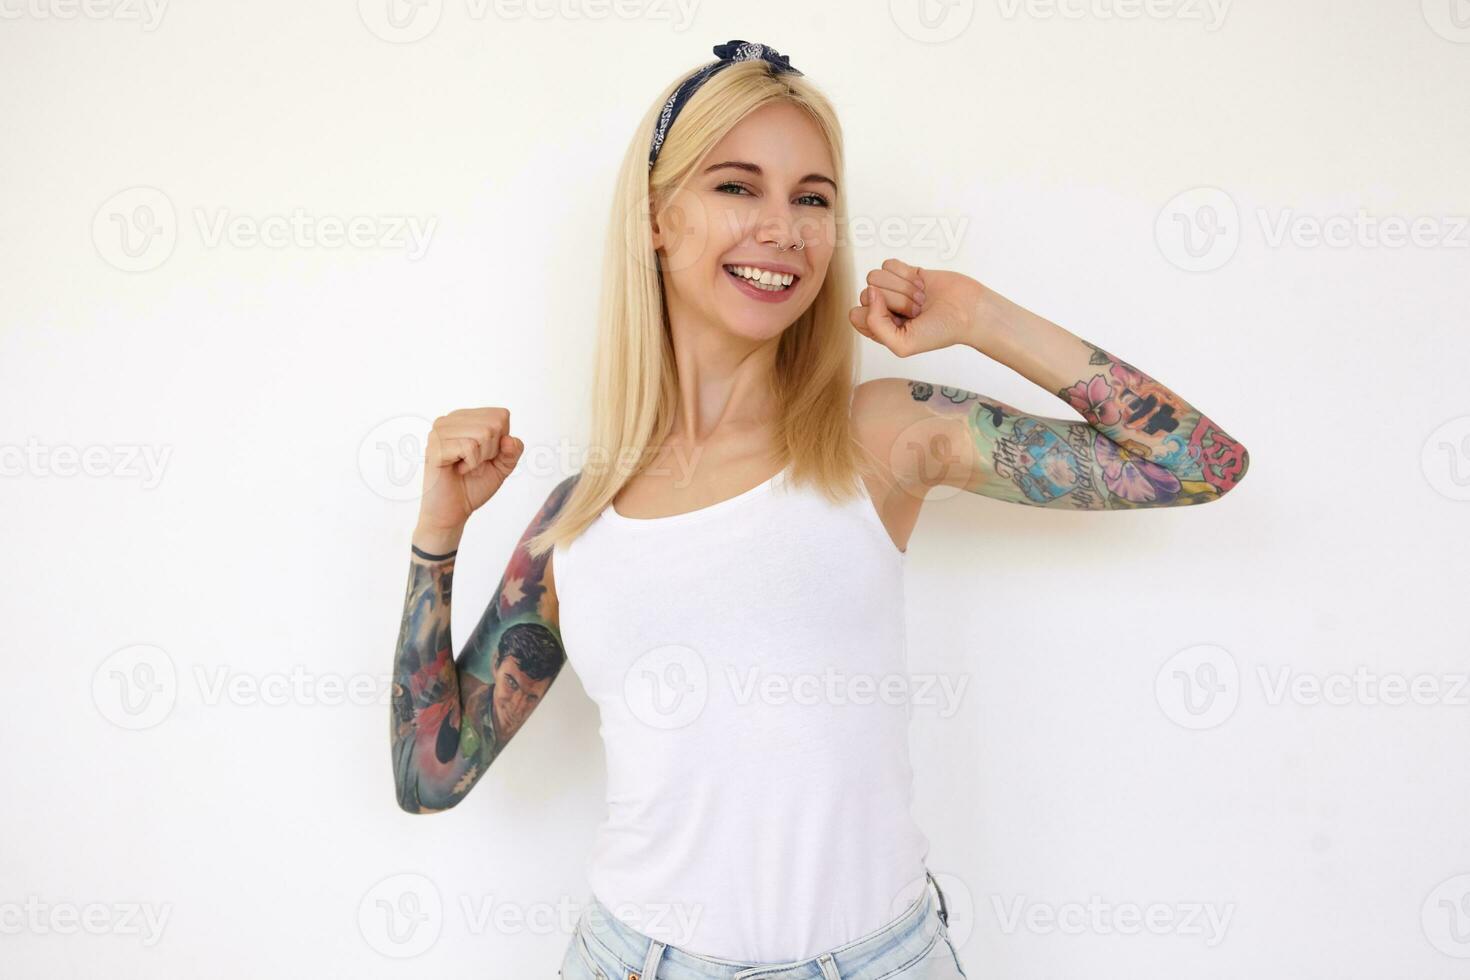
[{"x": 756, "y": 170}]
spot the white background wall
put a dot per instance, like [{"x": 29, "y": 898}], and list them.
[{"x": 1099, "y": 754}]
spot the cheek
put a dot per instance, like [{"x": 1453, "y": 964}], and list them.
[
  {"x": 819, "y": 262},
  {"x": 819, "y": 230},
  {"x": 691, "y": 239},
  {"x": 725, "y": 226}
]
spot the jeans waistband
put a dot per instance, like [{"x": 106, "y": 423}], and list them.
[{"x": 883, "y": 951}]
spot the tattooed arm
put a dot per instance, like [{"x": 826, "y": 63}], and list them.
[
  {"x": 1141, "y": 445},
  {"x": 451, "y": 718}
]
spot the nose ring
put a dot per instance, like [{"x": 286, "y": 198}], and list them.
[{"x": 795, "y": 248}]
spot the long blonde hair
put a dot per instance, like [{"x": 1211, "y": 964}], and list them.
[{"x": 635, "y": 383}]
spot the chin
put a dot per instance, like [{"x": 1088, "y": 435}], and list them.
[{"x": 759, "y": 325}]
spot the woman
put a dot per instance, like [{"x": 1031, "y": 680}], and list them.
[{"x": 739, "y": 533}]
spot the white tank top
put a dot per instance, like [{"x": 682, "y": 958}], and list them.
[{"x": 749, "y": 664}]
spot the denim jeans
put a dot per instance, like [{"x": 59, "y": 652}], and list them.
[{"x": 914, "y": 946}]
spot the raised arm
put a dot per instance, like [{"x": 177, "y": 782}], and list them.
[
  {"x": 453, "y": 715},
  {"x": 1138, "y": 445}
]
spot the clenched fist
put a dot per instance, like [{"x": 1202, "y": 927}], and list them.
[{"x": 469, "y": 455}]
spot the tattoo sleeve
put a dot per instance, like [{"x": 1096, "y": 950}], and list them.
[
  {"x": 1140, "y": 446},
  {"x": 452, "y": 717}
]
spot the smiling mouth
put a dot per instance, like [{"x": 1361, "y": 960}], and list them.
[{"x": 771, "y": 282}]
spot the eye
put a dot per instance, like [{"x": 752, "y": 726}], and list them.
[{"x": 810, "y": 198}]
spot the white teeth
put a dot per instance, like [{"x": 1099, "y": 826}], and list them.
[{"x": 764, "y": 278}]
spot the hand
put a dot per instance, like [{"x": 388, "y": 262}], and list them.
[
  {"x": 911, "y": 310},
  {"x": 469, "y": 455}
]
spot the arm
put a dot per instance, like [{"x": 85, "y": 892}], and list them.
[
  {"x": 1140, "y": 444},
  {"x": 452, "y": 717}
]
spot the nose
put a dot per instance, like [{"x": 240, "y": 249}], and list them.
[{"x": 777, "y": 227}]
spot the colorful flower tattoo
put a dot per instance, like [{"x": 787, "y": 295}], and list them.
[{"x": 1140, "y": 446}]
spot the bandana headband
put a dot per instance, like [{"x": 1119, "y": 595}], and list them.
[{"x": 728, "y": 53}]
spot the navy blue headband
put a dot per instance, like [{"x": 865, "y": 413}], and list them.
[{"x": 728, "y": 53}]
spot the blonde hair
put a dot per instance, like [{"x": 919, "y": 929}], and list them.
[{"x": 635, "y": 382}]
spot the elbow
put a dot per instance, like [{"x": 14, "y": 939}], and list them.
[
  {"x": 1230, "y": 476},
  {"x": 411, "y": 804},
  {"x": 407, "y": 801},
  {"x": 1243, "y": 465},
  {"x": 411, "y": 799}
]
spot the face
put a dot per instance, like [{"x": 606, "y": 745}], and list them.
[
  {"x": 515, "y": 696},
  {"x": 767, "y": 184}
]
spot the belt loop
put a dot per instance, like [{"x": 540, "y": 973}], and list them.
[
  {"x": 650, "y": 962},
  {"x": 943, "y": 911},
  {"x": 829, "y": 968}
]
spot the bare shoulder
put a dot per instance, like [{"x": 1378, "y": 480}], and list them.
[
  {"x": 890, "y": 423},
  {"x": 884, "y": 417}
]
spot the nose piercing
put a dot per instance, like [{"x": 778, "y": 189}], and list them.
[{"x": 795, "y": 248}]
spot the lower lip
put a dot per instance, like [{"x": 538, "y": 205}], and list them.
[{"x": 755, "y": 292}]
